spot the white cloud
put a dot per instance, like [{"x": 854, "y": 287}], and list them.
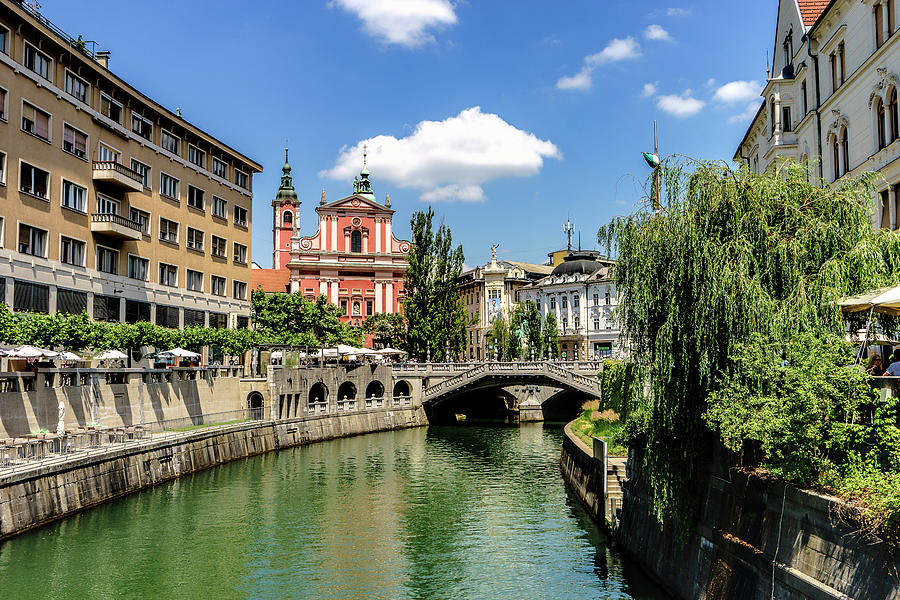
[
  {"x": 683, "y": 105},
  {"x": 748, "y": 113},
  {"x": 737, "y": 91},
  {"x": 616, "y": 50},
  {"x": 650, "y": 89},
  {"x": 401, "y": 22},
  {"x": 453, "y": 193},
  {"x": 449, "y": 160},
  {"x": 678, "y": 12},
  {"x": 656, "y": 32}
]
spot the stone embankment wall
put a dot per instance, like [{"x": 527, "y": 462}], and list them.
[
  {"x": 583, "y": 474},
  {"x": 118, "y": 405},
  {"x": 746, "y": 526},
  {"x": 46, "y": 493}
]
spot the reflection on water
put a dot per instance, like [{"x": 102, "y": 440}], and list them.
[{"x": 443, "y": 512}]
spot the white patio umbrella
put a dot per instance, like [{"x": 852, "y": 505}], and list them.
[
  {"x": 66, "y": 355},
  {"x": 179, "y": 353},
  {"x": 111, "y": 355},
  {"x": 30, "y": 352},
  {"x": 389, "y": 350},
  {"x": 884, "y": 300}
]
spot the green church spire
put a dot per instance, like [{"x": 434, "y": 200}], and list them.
[
  {"x": 362, "y": 186},
  {"x": 286, "y": 190}
]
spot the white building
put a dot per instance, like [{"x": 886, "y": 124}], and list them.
[
  {"x": 582, "y": 296},
  {"x": 832, "y": 96}
]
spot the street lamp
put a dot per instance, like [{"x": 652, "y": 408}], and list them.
[{"x": 653, "y": 161}]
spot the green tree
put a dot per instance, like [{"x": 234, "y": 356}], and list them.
[
  {"x": 550, "y": 336},
  {"x": 388, "y": 329},
  {"x": 499, "y": 339},
  {"x": 529, "y": 317},
  {"x": 729, "y": 254},
  {"x": 434, "y": 310},
  {"x": 292, "y": 319}
]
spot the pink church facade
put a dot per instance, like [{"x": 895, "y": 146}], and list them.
[{"x": 353, "y": 259}]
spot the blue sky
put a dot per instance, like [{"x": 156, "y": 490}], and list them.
[{"x": 510, "y": 117}]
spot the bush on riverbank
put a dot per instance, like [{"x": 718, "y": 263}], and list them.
[{"x": 603, "y": 424}]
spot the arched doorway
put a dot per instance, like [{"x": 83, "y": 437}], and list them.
[
  {"x": 374, "y": 394},
  {"x": 255, "y": 404},
  {"x": 401, "y": 392},
  {"x": 346, "y": 395},
  {"x": 318, "y": 398}
]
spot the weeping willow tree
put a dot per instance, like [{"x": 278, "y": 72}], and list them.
[{"x": 730, "y": 254}]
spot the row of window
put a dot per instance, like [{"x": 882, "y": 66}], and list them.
[
  {"x": 576, "y": 300},
  {"x": 76, "y": 87},
  {"x": 33, "y": 241},
  {"x": 35, "y": 297}
]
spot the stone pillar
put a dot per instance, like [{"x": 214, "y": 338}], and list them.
[
  {"x": 323, "y": 287},
  {"x": 51, "y": 302},
  {"x": 365, "y": 241},
  {"x": 323, "y": 233},
  {"x": 892, "y": 206},
  {"x": 334, "y": 292},
  {"x": 122, "y": 311},
  {"x": 389, "y": 300},
  {"x": 346, "y": 241},
  {"x": 379, "y": 295},
  {"x": 333, "y": 234},
  {"x": 377, "y": 237},
  {"x": 387, "y": 236}
]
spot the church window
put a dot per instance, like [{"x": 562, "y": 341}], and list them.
[
  {"x": 344, "y": 306},
  {"x": 355, "y": 241},
  {"x": 879, "y": 123},
  {"x": 892, "y": 114},
  {"x": 369, "y": 308},
  {"x": 845, "y": 149}
]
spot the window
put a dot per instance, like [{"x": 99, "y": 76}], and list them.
[
  {"x": 196, "y": 318},
  {"x": 107, "y": 206},
  {"x": 37, "y": 61},
  {"x": 168, "y": 275},
  {"x": 140, "y": 217},
  {"x": 219, "y": 168},
  {"x": 218, "y": 320},
  {"x": 4, "y": 40},
  {"x": 287, "y": 219},
  {"x": 142, "y": 170},
  {"x": 106, "y": 308},
  {"x": 136, "y": 311},
  {"x": 889, "y": 8},
  {"x": 845, "y": 149},
  {"x": 596, "y": 299},
  {"x": 577, "y": 322},
  {"x": 880, "y": 133},
  {"x": 169, "y": 142},
  {"x": 35, "y": 121},
  {"x": 608, "y": 298},
  {"x": 565, "y": 302},
  {"x": 196, "y": 156},
  {"x": 4, "y": 96},
  {"x": 879, "y": 25},
  {"x": 786, "y": 118},
  {"x": 240, "y": 216},
  {"x": 74, "y": 141},
  {"x": 2, "y": 172},
  {"x": 596, "y": 323},
  {"x": 836, "y": 157},
  {"x": 138, "y": 268},
  {"x": 168, "y": 230},
  {"x": 892, "y": 114},
  {"x": 369, "y": 307},
  {"x": 71, "y": 251},
  {"x": 74, "y": 196},
  {"x": 803, "y": 99},
  {"x": 194, "y": 239},
  {"x": 70, "y": 302},
  {"x": 34, "y": 181},
  {"x": 240, "y": 290},
  {"x": 576, "y": 301},
  {"x": 565, "y": 323},
  {"x": 107, "y": 154},
  {"x": 355, "y": 241},
  {"x": 168, "y": 186},
  {"x": 31, "y": 297},
  {"x": 552, "y": 302},
  {"x": 217, "y": 285},
  {"x": 240, "y": 253},
  {"x": 219, "y": 207},
  {"x": 141, "y": 126},
  {"x": 194, "y": 281},
  {"x": 107, "y": 260},
  {"x": 219, "y": 246},
  {"x": 344, "y": 307},
  {"x": 772, "y": 115},
  {"x": 195, "y": 197},
  {"x": 110, "y": 108},
  {"x": 241, "y": 180},
  {"x": 842, "y": 62},
  {"x": 834, "y": 77},
  {"x": 76, "y": 87}
]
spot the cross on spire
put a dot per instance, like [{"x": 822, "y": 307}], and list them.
[{"x": 365, "y": 150}]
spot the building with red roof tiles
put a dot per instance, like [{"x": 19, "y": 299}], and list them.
[{"x": 830, "y": 99}]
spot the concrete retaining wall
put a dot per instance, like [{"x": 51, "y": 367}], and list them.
[
  {"x": 583, "y": 474},
  {"x": 733, "y": 543},
  {"x": 46, "y": 493}
]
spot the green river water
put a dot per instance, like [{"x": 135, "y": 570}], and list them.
[{"x": 439, "y": 512}]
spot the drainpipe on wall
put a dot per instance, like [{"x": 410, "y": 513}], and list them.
[{"x": 815, "y": 59}]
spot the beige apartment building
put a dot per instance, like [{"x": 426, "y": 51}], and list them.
[{"x": 109, "y": 202}]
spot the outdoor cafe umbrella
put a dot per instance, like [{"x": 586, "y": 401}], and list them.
[
  {"x": 66, "y": 355},
  {"x": 389, "y": 350},
  {"x": 884, "y": 300},
  {"x": 179, "y": 353},
  {"x": 111, "y": 355},
  {"x": 29, "y": 352}
]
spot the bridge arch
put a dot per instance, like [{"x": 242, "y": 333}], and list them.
[
  {"x": 402, "y": 389},
  {"x": 347, "y": 391},
  {"x": 375, "y": 389},
  {"x": 255, "y": 403},
  {"x": 318, "y": 393}
]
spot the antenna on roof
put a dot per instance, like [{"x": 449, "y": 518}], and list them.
[{"x": 767, "y": 63}]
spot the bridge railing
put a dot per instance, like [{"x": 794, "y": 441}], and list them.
[{"x": 511, "y": 368}]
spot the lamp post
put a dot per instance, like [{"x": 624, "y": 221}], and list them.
[{"x": 653, "y": 162}]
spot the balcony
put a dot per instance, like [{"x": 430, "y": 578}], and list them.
[
  {"x": 117, "y": 175},
  {"x": 116, "y": 226}
]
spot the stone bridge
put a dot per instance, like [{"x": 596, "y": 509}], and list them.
[{"x": 494, "y": 374}]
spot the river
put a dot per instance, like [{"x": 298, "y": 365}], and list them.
[{"x": 438, "y": 512}]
